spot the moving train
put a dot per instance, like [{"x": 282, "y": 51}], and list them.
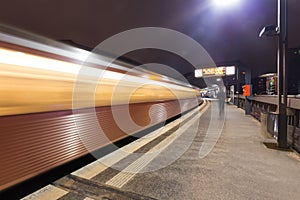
[{"x": 48, "y": 104}]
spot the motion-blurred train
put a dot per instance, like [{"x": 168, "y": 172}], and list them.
[{"x": 43, "y": 124}]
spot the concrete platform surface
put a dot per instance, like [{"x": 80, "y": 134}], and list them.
[{"x": 239, "y": 167}]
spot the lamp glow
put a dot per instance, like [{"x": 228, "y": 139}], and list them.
[{"x": 225, "y": 3}]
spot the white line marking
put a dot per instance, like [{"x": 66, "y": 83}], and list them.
[
  {"x": 45, "y": 193},
  {"x": 88, "y": 198},
  {"x": 96, "y": 167},
  {"x": 129, "y": 172}
]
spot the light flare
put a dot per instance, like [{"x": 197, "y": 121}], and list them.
[{"x": 225, "y": 3}]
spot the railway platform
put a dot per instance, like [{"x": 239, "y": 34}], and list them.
[{"x": 240, "y": 166}]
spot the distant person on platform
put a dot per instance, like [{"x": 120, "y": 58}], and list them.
[{"x": 221, "y": 97}]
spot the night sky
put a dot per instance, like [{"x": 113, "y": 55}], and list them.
[{"x": 228, "y": 34}]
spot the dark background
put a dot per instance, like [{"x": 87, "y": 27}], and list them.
[{"x": 228, "y": 34}]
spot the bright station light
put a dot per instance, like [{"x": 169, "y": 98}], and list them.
[{"x": 225, "y": 3}]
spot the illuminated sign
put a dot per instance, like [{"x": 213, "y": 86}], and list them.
[
  {"x": 198, "y": 73},
  {"x": 230, "y": 70},
  {"x": 215, "y": 71}
]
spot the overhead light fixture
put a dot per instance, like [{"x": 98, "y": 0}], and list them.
[{"x": 269, "y": 31}]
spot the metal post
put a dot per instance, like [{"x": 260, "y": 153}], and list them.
[
  {"x": 281, "y": 73},
  {"x": 237, "y": 86}
]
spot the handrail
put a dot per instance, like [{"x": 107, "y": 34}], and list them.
[{"x": 292, "y": 102}]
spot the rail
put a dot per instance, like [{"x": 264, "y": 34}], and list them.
[{"x": 263, "y": 108}]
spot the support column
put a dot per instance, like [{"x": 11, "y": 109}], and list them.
[{"x": 281, "y": 73}]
